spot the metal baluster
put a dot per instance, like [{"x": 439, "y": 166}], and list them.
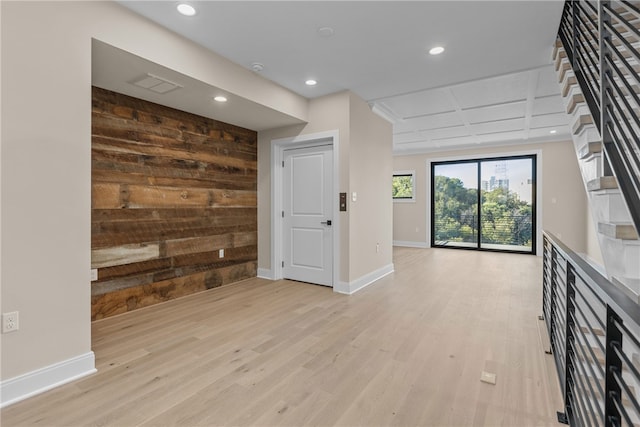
[
  {"x": 613, "y": 364},
  {"x": 570, "y": 354},
  {"x": 605, "y": 86},
  {"x": 554, "y": 298}
]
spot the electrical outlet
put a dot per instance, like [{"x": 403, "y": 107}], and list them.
[
  {"x": 94, "y": 274},
  {"x": 221, "y": 253},
  {"x": 9, "y": 322},
  {"x": 377, "y": 247}
]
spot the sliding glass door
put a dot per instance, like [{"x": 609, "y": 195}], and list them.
[
  {"x": 455, "y": 204},
  {"x": 484, "y": 204}
]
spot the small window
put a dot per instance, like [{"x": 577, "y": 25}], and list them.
[{"x": 404, "y": 186}]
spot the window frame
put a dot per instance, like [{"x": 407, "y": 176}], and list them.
[
  {"x": 412, "y": 174},
  {"x": 534, "y": 157}
]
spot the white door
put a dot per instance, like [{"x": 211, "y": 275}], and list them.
[{"x": 307, "y": 215}]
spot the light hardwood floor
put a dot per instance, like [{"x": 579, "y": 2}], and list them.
[{"x": 406, "y": 351}]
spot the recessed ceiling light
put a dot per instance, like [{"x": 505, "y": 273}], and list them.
[
  {"x": 553, "y": 131},
  {"x": 311, "y": 82},
  {"x": 186, "y": 9},
  {"x": 220, "y": 98},
  {"x": 436, "y": 50}
]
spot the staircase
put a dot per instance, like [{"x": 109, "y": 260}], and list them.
[{"x": 606, "y": 105}]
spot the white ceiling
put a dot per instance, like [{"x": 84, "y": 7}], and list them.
[
  {"x": 117, "y": 70},
  {"x": 493, "y": 85}
]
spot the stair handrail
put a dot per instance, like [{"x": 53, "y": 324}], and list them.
[
  {"x": 600, "y": 54},
  {"x": 585, "y": 315}
]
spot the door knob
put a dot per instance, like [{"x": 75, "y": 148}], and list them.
[{"x": 327, "y": 222}]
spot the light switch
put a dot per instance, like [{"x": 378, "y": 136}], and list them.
[{"x": 354, "y": 196}]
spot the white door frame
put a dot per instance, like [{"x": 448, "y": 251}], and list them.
[{"x": 278, "y": 146}]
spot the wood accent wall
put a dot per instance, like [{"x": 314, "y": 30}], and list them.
[{"x": 169, "y": 189}]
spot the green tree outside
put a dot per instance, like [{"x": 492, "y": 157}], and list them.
[
  {"x": 505, "y": 218},
  {"x": 402, "y": 187}
]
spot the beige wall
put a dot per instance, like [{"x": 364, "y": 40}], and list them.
[
  {"x": 326, "y": 113},
  {"x": 562, "y": 194},
  {"x": 46, "y": 100},
  {"x": 46, "y": 169},
  {"x": 365, "y": 167},
  {"x": 370, "y": 170}
]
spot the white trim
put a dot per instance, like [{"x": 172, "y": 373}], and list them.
[
  {"x": 277, "y": 156},
  {"x": 265, "y": 273},
  {"x": 354, "y": 286},
  {"x": 408, "y": 244},
  {"x": 35, "y": 382},
  {"x": 473, "y": 146},
  {"x": 413, "y": 184},
  {"x": 539, "y": 198}
]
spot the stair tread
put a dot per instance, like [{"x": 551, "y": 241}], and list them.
[
  {"x": 589, "y": 149},
  {"x": 562, "y": 71},
  {"x": 557, "y": 48},
  {"x": 582, "y": 122},
  {"x": 617, "y": 230},
  {"x": 595, "y": 382},
  {"x": 568, "y": 84},
  {"x": 602, "y": 183},
  {"x": 600, "y": 357},
  {"x": 576, "y": 100},
  {"x": 560, "y": 57},
  {"x": 595, "y": 331}
]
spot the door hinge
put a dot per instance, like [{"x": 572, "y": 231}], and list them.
[
  {"x": 283, "y": 163},
  {"x": 282, "y": 263},
  {"x": 282, "y": 214}
]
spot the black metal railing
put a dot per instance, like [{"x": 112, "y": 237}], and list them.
[
  {"x": 594, "y": 331},
  {"x": 602, "y": 41},
  {"x": 506, "y": 229}
]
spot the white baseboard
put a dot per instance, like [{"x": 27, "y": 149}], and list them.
[
  {"x": 265, "y": 273},
  {"x": 409, "y": 244},
  {"x": 355, "y": 285},
  {"x": 35, "y": 382}
]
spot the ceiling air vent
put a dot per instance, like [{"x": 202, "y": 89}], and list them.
[{"x": 156, "y": 84}]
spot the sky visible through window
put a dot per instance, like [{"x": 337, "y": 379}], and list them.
[{"x": 517, "y": 171}]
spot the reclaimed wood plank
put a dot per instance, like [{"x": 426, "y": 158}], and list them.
[
  {"x": 233, "y": 198},
  {"x": 157, "y": 196},
  {"x": 184, "y": 183},
  {"x": 245, "y": 238},
  {"x": 124, "y": 300},
  {"x": 231, "y": 255},
  {"x": 165, "y": 166},
  {"x": 219, "y": 216},
  {"x": 138, "y": 175},
  {"x": 197, "y": 244},
  {"x": 126, "y": 254},
  {"x": 105, "y": 195},
  {"x": 151, "y": 234},
  {"x": 147, "y": 149},
  {"x": 143, "y": 267}
]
